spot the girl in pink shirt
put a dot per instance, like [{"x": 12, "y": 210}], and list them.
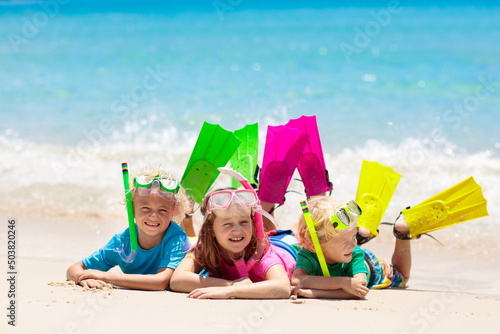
[{"x": 233, "y": 249}]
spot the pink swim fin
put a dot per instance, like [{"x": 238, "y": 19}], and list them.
[
  {"x": 283, "y": 149},
  {"x": 312, "y": 163}
]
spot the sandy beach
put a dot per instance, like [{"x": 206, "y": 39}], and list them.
[
  {"x": 451, "y": 290},
  {"x": 414, "y": 85}
]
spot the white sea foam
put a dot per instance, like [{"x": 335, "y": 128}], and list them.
[{"x": 47, "y": 180}]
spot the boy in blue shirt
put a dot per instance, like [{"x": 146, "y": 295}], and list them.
[{"x": 157, "y": 197}]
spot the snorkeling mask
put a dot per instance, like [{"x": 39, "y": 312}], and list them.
[
  {"x": 167, "y": 187},
  {"x": 241, "y": 200},
  {"x": 244, "y": 200},
  {"x": 346, "y": 216}
]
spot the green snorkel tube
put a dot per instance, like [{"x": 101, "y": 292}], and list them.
[{"x": 131, "y": 226}]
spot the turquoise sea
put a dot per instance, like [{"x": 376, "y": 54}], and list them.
[{"x": 87, "y": 85}]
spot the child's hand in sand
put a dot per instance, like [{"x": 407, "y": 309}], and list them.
[
  {"x": 90, "y": 275},
  {"x": 295, "y": 289},
  {"x": 309, "y": 293},
  {"x": 356, "y": 286},
  {"x": 299, "y": 291},
  {"x": 216, "y": 292},
  {"x": 296, "y": 282},
  {"x": 93, "y": 283}
]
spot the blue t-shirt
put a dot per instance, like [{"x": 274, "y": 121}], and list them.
[{"x": 168, "y": 254}]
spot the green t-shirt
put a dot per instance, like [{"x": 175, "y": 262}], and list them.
[{"x": 309, "y": 262}]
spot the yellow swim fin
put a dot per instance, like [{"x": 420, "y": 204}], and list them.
[
  {"x": 376, "y": 186},
  {"x": 462, "y": 202}
]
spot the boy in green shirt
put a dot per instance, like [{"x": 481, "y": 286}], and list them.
[{"x": 353, "y": 270}]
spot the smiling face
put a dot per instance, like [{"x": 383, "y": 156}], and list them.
[
  {"x": 152, "y": 216},
  {"x": 339, "y": 248},
  {"x": 233, "y": 232}
]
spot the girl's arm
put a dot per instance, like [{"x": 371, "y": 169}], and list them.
[
  {"x": 276, "y": 285},
  {"x": 91, "y": 278},
  {"x": 354, "y": 286},
  {"x": 186, "y": 278}
]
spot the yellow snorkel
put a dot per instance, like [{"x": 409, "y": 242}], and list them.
[{"x": 314, "y": 238}]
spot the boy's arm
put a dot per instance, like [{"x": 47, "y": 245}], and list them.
[
  {"x": 276, "y": 285},
  {"x": 354, "y": 286},
  {"x": 74, "y": 270},
  {"x": 186, "y": 278},
  {"x": 154, "y": 282}
]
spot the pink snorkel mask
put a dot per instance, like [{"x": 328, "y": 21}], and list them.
[
  {"x": 233, "y": 201},
  {"x": 244, "y": 201}
]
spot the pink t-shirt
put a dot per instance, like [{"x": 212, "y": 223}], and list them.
[{"x": 274, "y": 255}]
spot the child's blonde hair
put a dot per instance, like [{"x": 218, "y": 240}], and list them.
[
  {"x": 207, "y": 251},
  {"x": 321, "y": 209},
  {"x": 181, "y": 199}
]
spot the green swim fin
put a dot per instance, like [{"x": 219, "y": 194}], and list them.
[
  {"x": 462, "y": 202},
  {"x": 376, "y": 186},
  {"x": 244, "y": 160},
  {"x": 213, "y": 149}
]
